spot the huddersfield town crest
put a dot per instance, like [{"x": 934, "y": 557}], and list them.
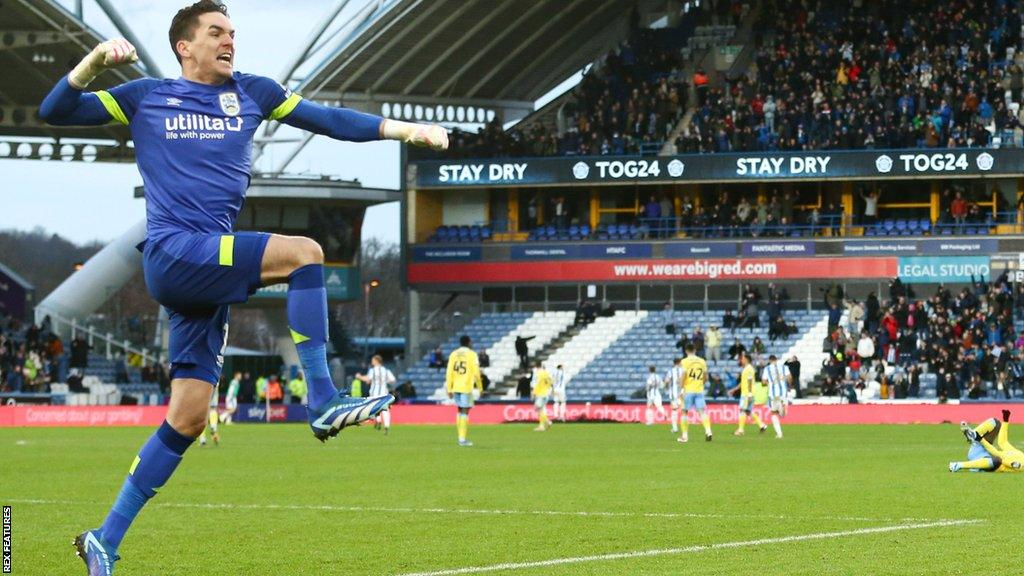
[{"x": 229, "y": 104}]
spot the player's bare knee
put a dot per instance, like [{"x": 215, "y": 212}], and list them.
[
  {"x": 190, "y": 425},
  {"x": 307, "y": 251}
]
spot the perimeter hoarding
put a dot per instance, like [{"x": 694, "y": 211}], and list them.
[
  {"x": 881, "y": 412},
  {"x": 820, "y": 165},
  {"x": 940, "y": 270},
  {"x": 651, "y": 270}
]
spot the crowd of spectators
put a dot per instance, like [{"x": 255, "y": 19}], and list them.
[
  {"x": 731, "y": 217},
  {"x": 967, "y": 339},
  {"x": 627, "y": 102},
  {"x": 754, "y": 307},
  {"x": 31, "y": 356},
  {"x": 850, "y": 74}
]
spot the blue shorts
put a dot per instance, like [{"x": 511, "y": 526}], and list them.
[
  {"x": 463, "y": 400},
  {"x": 978, "y": 451},
  {"x": 196, "y": 276},
  {"x": 694, "y": 400}
]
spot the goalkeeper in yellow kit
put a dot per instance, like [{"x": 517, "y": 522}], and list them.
[
  {"x": 983, "y": 456},
  {"x": 461, "y": 381}
]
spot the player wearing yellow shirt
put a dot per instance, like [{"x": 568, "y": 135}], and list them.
[
  {"x": 983, "y": 456},
  {"x": 695, "y": 376},
  {"x": 747, "y": 378},
  {"x": 540, "y": 392},
  {"x": 462, "y": 381}
]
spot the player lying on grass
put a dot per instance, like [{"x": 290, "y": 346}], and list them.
[
  {"x": 983, "y": 455},
  {"x": 193, "y": 145}
]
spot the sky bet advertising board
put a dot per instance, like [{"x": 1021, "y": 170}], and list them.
[{"x": 818, "y": 165}]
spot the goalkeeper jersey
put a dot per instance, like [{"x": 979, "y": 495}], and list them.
[{"x": 188, "y": 134}]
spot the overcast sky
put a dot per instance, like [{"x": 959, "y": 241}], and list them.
[{"x": 93, "y": 201}]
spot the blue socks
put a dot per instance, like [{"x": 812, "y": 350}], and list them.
[
  {"x": 307, "y": 319},
  {"x": 155, "y": 463}
]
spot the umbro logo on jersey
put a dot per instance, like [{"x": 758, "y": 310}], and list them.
[{"x": 173, "y": 102}]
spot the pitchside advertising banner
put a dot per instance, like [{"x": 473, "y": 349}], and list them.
[
  {"x": 939, "y": 270},
  {"x": 651, "y": 270},
  {"x": 924, "y": 247},
  {"x": 899, "y": 412},
  {"x": 823, "y": 165}
]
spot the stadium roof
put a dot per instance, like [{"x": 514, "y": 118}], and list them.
[
  {"x": 39, "y": 42},
  {"x": 499, "y": 54}
]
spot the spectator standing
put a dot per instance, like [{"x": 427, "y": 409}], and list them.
[
  {"x": 297, "y": 388},
  {"x": 793, "y": 365},
  {"x": 870, "y": 207},
  {"x": 523, "y": 351},
  {"x": 80, "y": 352},
  {"x": 866, "y": 347},
  {"x": 713, "y": 344}
]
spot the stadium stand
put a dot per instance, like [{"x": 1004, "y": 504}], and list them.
[
  {"x": 620, "y": 367},
  {"x": 628, "y": 103},
  {"x": 948, "y": 345},
  {"x": 592, "y": 341},
  {"x": 485, "y": 330},
  {"x": 886, "y": 74},
  {"x": 541, "y": 328}
]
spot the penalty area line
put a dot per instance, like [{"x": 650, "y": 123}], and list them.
[
  {"x": 689, "y": 549},
  {"x": 495, "y": 512}
]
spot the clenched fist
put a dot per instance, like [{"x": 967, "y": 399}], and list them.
[{"x": 109, "y": 54}]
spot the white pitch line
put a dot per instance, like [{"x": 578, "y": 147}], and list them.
[
  {"x": 688, "y": 549},
  {"x": 492, "y": 512}
]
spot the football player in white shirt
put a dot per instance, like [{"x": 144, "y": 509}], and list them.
[
  {"x": 380, "y": 380},
  {"x": 777, "y": 378},
  {"x": 654, "y": 385},
  {"x": 231, "y": 399},
  {"x": 558, "y": 392},
  {"x": 674, "y": 383},
  {"x": 214, "y": 418}
]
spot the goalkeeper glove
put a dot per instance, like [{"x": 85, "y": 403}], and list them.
[
  {"x": 428, "y": 135},
  {"x": 105, "y": 55}
]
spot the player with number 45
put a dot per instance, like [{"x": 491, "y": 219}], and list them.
[{"x": 463, "y": 384}]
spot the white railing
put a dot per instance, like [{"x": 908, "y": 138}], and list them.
[{"x": 109, "y": 343}]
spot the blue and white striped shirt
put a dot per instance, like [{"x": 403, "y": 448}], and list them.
[
  {"x": 560, "y": 381},
  {"x": 775, "y": 375},
  {"x": 674, "y": 379}
]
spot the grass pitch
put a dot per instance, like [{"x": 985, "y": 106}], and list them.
[{"x": 579, "y": 499}]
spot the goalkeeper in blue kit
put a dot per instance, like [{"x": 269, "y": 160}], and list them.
[{"x": 193, "y": 144}]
